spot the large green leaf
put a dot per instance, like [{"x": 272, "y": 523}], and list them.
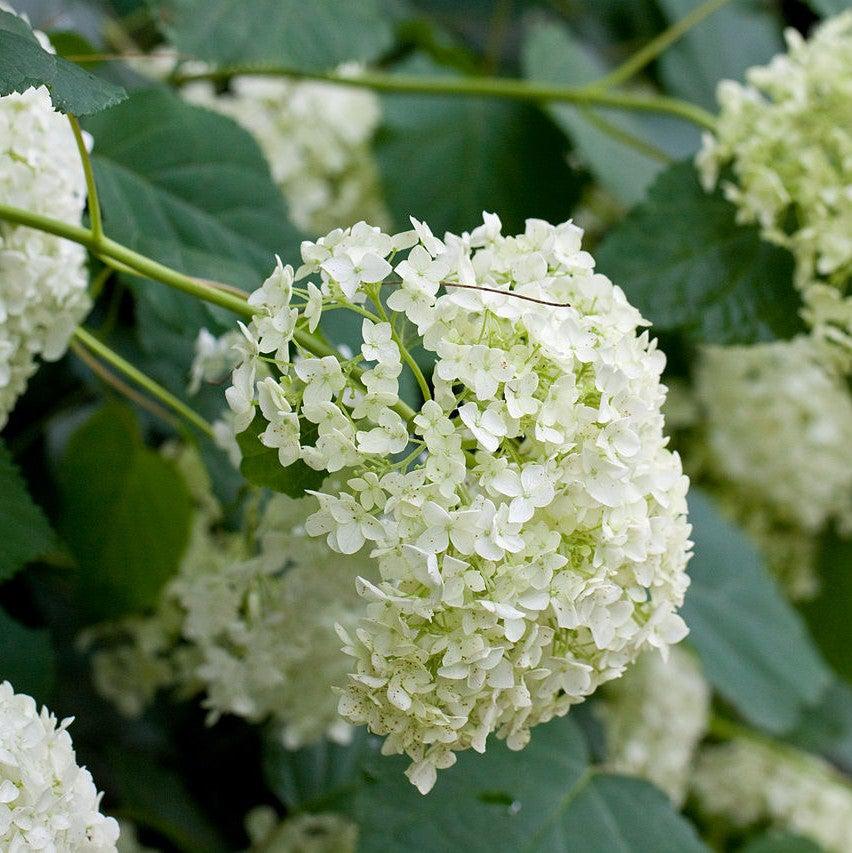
[
  {"x": 827, "y": 728},
  {"x": 317, "y": 35},
  {"x": 189, "y": 188},
  {"x": 26, "y": 658},
  {"x": 125, "y": 513},
  {"x": 721, "y": 47},
  {"x": 24, "y": 531},
  {"x": 544, "y": 798},
  {"x": 827, "y": 615},
  {"x": 446, "y": 159},
  {"x": 24, "y": 64},
  {"x": 686, "y": 264},
  {"x": 553, "y": 55},
  {"x": 754, "y": 647}
]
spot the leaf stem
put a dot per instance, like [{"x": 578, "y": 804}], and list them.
[
  {"x": 658, "y": 44},
  {"x": 221, "y": 295},
  {"x": 156, "y": 390},
  {"x": 490, "y": 87},
  {"x": 91, "y": 188}
]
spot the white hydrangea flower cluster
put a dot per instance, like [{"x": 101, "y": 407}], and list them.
[
  {"x": 528, "y": 522},
  {"x": 749, "y": 782},
  {"x": 47, "y": 802},
  {"x": 304, "y": 833},
  {"x": 251, "y": 628},
  {"x": 779, "y": 428},
  {"x": 316, "y": 137},
  {"x": 787, "y": 136},
  {"x": 655, "y": 717},
  {"x": 42, "y": 278}
]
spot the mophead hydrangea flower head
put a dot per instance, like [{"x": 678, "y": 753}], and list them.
[
  {"x": 527, "y": 521},
  {"x": 786, "y": 137},
  {"x": 47, "y": 802}
]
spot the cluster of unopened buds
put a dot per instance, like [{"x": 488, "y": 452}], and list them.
[{"x": 527, "y": 522}]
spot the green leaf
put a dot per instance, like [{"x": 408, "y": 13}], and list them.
[
  {"x": 125, "y": 513},
  {"x": 24, "y": 531},
  {"x": 319, "y": 35},
  {"x": 781, "y": 842},
  {"x": 721, "y": 47},
  {"x": 260, "y": 464},
  {"x": 552, "y": 54},
  {"x": 302, "y": 777},
  {"x": 827, "y": 728},
  {"x": 754, "y": 647},
  {"x": 446, "y": 159},
  {"x": 686, "y": 264},
  {"x": 191, "y": 189},
  {"x": 24, "y": 64},
  {"x": 26, "y": 659},
  {"x": 544, "y": 798},
  {"x": 827, "y": 615},
  {"x": 156, "y": 797}
]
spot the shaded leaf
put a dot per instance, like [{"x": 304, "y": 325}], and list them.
[
  {"x": 24, "y": 531},
  {"x": 260, "y": 465},
  {"x": 544, "y": 798},
  {"x": 318, "y": 773},
  {"x": 827, "y": 615},
  {"x": 24, "y": 64},
  {"x": 191, "y": 189},
  {"x": 781, "y": 842},
  {"x": 553, "y": 55},
  {"x": 446, "y": 159},
  {"x": 125, "y": 513},
  {"x": 26, "y": 659},
  {"x": 754, "y": 647},
  {"x": 739, "y": 35},
  {"x": 827, "y": 727},
  {"x": 313, "y": 36},
  {"x": 686, "y": 264}
]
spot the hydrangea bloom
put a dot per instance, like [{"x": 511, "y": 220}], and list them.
[
  {"x": 47, "y": 802},
  {"x": 528, "y": 522},
  {"x": 316, "y": 137},
  {"x": 251, "y": 628},
  {"x": 304, "y": 833},
  {"x": 43, "y": 293},
  {"x": 749, "y": 782},
  {"x": 787, "y": 136},
  {"x": 779, "y": 428},
  {"x": 655, "y": 717}
]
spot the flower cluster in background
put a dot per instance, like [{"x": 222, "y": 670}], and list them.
[
  {"x": 775, "y": 424},
  {"x": 655, "y": 717},
  {"x": 787, "y": 136},
  {"x": 250, "y": 627},
  {"x": 748, "y": 782},
  {"x": 316, "y": 137},
  {"x": 47, "y": 802},
  {"x": 43, "y": 291},
  {"x": 528, "y": 523}
]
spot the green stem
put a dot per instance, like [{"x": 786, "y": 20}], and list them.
[
  {"x": 625, "y": 137},
  {"x": 89, "y": 175},
  {"x": 407, "y": 357},
  {"x": 141, "y": 265},
  {"x": 659, "y": 44},
  {"x": 102, "y": 351},
  {"x": 489, "y": 87}
]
